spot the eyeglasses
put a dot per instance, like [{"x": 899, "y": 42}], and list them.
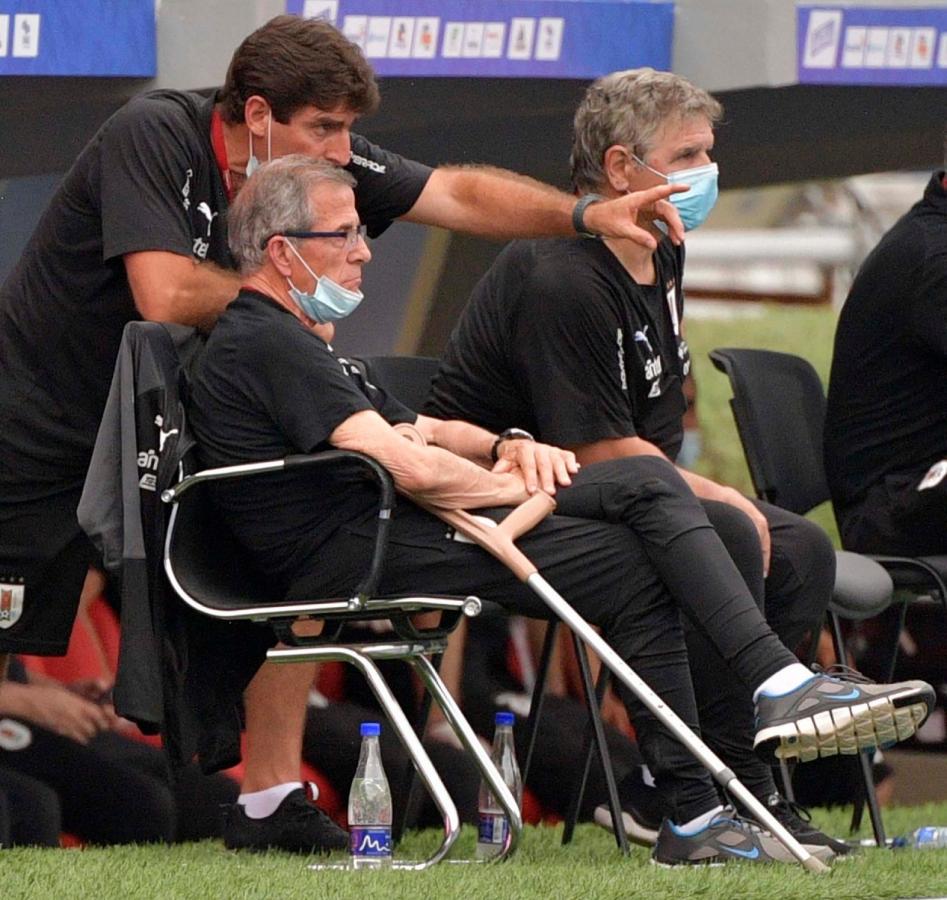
[{"x": 350, "y": 235}]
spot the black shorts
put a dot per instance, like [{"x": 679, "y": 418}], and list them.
[{"x": 44, "y": 557}]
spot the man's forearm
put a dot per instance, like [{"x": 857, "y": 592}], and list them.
[
  {"x": 461, "y": 438},
  {"x": 492, "y": 202},
  {"x": 431, "y": 474},
  {"x": 169, "y": 287}
]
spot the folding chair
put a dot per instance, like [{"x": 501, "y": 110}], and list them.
[
  {"x": 779, "y": 408},
  {"x": 207, "y": 569}
]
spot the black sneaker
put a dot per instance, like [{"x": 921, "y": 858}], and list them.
[
  {"x": 642, "y": 811},
  {"x": 797, "y": 821},
  {"x": 727, "y": 838},
  {"x": 829, "y": 715},
  {"x": 297, "y": 825}
]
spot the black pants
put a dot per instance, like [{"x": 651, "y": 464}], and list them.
[
  {"x": 793, "y": 599},
  {"x": 630, "y": 548},
  {"x": 896, "y": 518},
  {"x": 110, "y": 791},
  {"x": 30, "y": 813}
]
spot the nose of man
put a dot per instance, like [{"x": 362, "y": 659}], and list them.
[{"x": 338, "y": 149}]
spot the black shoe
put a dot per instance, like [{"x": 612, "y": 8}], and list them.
[
  {"x": 297, "y": 825},
  {"x": 797, "y": 821},
  {"x": 727, "y": 838},
  {"x": 642, "y": 811}
]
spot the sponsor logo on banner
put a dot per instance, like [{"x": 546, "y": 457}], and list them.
[
  {"x": 12, "y": 596},
  {"x": 822, "y": 39},
  {"x": 26, "y": 35},
  {"x": 321, "y": 9}
]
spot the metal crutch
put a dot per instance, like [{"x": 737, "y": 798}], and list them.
[{"x": 499, "y": 542}]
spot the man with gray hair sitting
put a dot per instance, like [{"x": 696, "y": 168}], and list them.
[
  {"x": 601, "y": 323},
  {"x": 630, "y": 546}
]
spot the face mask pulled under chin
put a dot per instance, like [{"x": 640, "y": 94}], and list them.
[
  {"x": 693, "y": 206},
  {"x": 329, "y": 302}
]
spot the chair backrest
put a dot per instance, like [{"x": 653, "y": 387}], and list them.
[
  {"x": 408, "y": 378},
  {"x": 779, "y": 408},
  {"x": 207, "y": 560}
]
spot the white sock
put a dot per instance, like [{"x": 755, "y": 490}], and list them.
[
  {"x": 785, "y": 680},
  {"x": 700, "y": 823},
  {"x": 260, "y": 804}
]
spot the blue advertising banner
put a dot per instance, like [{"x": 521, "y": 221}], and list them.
[
  {"x": 502, "y": 38},
  {"x": 78, "y": 37},
  {"x": 872, "y": 45}
]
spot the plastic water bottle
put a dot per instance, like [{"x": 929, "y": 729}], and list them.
[
  {"x": 930, "y": 837},
  {"x": 494, "y": 825},
  {"x": 370, "y": 806}
]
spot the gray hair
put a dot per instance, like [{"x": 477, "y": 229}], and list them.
[
  {"x": 629, "y": 108},
  {"x": 276, "y": 199}
]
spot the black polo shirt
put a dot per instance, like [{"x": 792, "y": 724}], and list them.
[
  {"x": 886, "y": 421},
  {"x": 559, "y": 339},
  {"x": 148, "y": 180},
  {"x": 267, "y": 387}
]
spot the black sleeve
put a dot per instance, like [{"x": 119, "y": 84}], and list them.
[
  {"x": 388, "y": 184},
  {"x": 304, "y": 387},
  {"x": 569, "y": 356},
  {"x": 145, "y": 156}
]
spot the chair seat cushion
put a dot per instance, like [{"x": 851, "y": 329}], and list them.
[{"x": 862, "y": 587}]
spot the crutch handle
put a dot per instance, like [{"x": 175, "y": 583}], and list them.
[{"x": 527, "y": 515}]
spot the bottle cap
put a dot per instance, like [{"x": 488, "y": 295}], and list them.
[
  {"x": 505, "y": 718},
  {"x": 371, "y": 729}
]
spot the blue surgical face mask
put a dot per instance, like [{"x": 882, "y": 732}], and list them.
[
  {"x": 253, "y": 163},
  {"x": 693, "y": 206},
  {"x": 329, "y": 302}
]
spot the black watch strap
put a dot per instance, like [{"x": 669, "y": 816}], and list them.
[
  {"x": 510, "y": 434},
  {"x": 578, "y": 212}
]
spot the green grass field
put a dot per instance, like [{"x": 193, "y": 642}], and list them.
[{"x": 589, "y": 868}]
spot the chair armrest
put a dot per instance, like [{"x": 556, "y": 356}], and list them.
[{"x": 386, "y": 500}]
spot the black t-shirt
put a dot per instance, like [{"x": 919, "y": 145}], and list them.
[
  {"x": 267, "y": 387},
  {"x": 887, "y": 414},
  {"x": 559, "y": 339},
  {"x": 148, "y": 180}
]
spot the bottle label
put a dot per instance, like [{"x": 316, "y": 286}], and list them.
[
  {"x": 370, "y": 840},
  {"x": 493, "y": 828}
]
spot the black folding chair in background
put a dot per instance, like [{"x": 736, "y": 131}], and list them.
[
  {"x": 779, "y": 408},
  {"x": 408, "y": 378}
]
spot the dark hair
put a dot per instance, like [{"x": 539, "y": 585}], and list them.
[{"x": 293, "y": 62}]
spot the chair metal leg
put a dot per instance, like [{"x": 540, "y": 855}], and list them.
[
  {"x": 538, "y": 697},
  {"x": 868, "y": 794},
  {"x": 468, "y": 737},
  {"x": 595, "y": 739},
  {"x": 409, "y": 781},
  {"x": 358, "y": 656}
]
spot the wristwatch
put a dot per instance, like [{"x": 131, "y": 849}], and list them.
[
  {"x": 578, "y": 213},
  {"x": 510, "y": 434}
]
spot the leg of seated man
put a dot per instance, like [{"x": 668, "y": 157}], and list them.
[
  {"x": 603, "y": 569},
  {"x": 797, "y": 590},
  {"x": 275, "y": 808}
]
